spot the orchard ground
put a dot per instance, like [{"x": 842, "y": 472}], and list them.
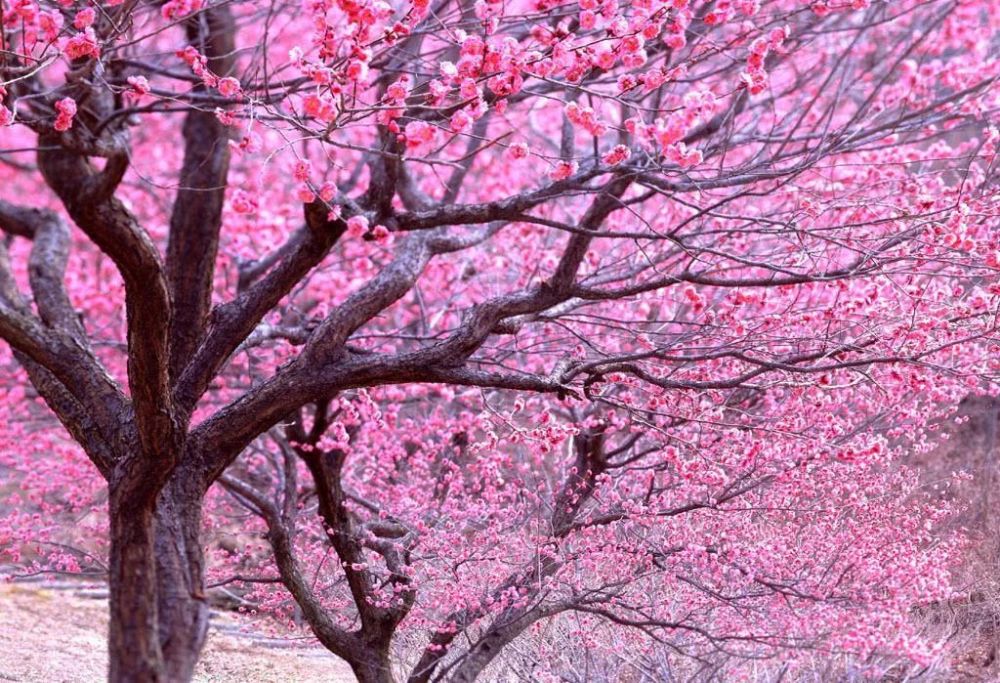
[{"x": 55, "y": 636}]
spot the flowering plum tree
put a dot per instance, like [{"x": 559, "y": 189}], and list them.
[
  {"x": 705, "y": 541},
  {"x": 729, "y": 253}
]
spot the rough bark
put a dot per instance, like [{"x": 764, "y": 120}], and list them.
[
  {"x": 133, "y": 647},
  {"x": 182, "y": 607},
  {"x": 196, "y": 218},
  {"x": 504, "y": 630},
  {"x": 373, "y": 665}
]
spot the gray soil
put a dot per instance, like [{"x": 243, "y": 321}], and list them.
[{"x": 55, "y": 636}]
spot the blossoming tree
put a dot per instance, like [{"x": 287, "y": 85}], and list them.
[{"x": 730, "y": 253}]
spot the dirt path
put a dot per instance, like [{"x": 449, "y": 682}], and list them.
[{"x": 56, "y": 637}]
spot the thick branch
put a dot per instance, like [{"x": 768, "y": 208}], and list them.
[
  {"x": 342, "y": 643},
  {"x": 113, "y": 228},
  {"x": 59, "y": 361},
  {"x": 232, "y": 322},
  {"x": 197, "y": 214}
]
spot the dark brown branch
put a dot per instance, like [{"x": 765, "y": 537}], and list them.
[
  {"x": 115, "y": 231},
  {"x": 196, "y": 218},
  {"x": 342, "y": 643},
  {"x": 232, "y": 322},
  {"x": 59, "y": 361}
]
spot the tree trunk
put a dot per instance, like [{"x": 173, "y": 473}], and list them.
[
  {"x": 435, "y": 651},
  {"x": 133, "y": 646},
  {"x": 180, "y": 572},
  {"x": 478, "y": 658},
  {"x": 373, "y": 666},
  {"x": 497, "y": 637}
]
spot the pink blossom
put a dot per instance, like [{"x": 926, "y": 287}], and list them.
[
  {"x": 357, "y": 226},
  {"x": 438, "y": 90},
  {"x": 468, "y": 89},
  {"x": 50, "y": 24},
  {"x": 605, "y": 59},
  {"x": 776, "y": 36},
  {"x": 675, "y": 41},
  {"x": 357, "y": 70},
  {"x": 419, "y": 133},
  {"x": 229, "y": 87},
  {"x": 709, "y": 389},
  {"x": 682, "y": 156},
  {"x": 66, "y": 110},
  {"x": 617, "y": 155},
  {"x": 178, "y": 9},
  {"x": 305, "y": 194},
  {"x": 632, "y": 43},
  {"x": 302, "y": 170},
  {"x": 397, "y": 91},
  {"x": 84, "y": 18},
  {"x": 243, "y": 203},
  {"x": 138, "y": 85},
  {"x": 380, "y": 233},
  {"x": 461, "y": 121},
  {"x": 225, "y": 116},
  {"x": 563, "y": 170},
  {"x": 518, "y": 150},
  {"x": 82, "y": 45},
  {"x": 319, "y": 107},
  {"x": 327, "y": 192}
]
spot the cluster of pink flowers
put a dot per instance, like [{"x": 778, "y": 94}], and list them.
[
  {"x": 419, "y": 135},
  {"x": 82, "y": 45},
  {"x": 563, "y": 170},
  {"x": 178, "y": 9},
  {"x": 84, "y": 19},
  {"x": 755, "y": 76},
  {"x": 617, "y": 155},
  {"x": 518, "y": 150},
  {"x": 199, "y": 65},
  {"x": 533, "y": 113},
  {"x": 320, "y": 107},
  {"x": 586, "y": 118},
  {"x": 66, "y": 110},
  {"x": 138, "y": 87}
]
